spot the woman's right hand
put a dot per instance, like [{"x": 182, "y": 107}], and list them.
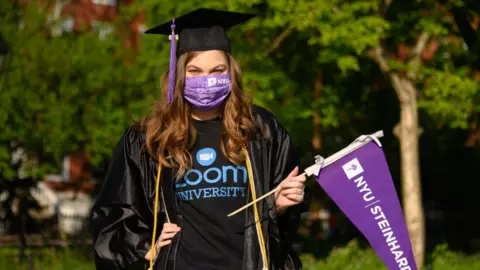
[{"x": 168, "y": 232}]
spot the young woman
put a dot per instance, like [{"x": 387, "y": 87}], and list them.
[{"x": 199, "y": 156}]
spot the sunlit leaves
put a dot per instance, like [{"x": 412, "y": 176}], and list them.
[{"x": 450, "y": 96}]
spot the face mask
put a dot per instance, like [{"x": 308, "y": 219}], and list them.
[{"x": 207, "y": 92}]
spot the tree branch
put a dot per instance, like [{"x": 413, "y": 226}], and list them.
[
  {"x": 398, "y": 82},
  {"x": 419, "y": 47},
  {"x": 414, "y": 62},
  {"x": 377, "y": 55},
  {"x": 278, "y": 40}
]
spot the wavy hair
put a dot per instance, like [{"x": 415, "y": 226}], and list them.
[{"x": 169, "y": 130}]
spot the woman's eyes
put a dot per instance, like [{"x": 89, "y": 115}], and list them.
[{"x": 216, "y": 71}]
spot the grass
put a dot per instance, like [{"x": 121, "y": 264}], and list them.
[
  {"x": 349, "y": 257},
  {"x": 51, "y": 259},
  {"x": 352, "y": 257}
]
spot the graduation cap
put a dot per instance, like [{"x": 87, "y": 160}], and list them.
[{"x": 200, "y": 30}]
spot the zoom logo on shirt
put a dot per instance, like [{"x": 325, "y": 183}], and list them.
[
  {"x": 206, "y": 156},
  {"x": 212, "y": 181}
]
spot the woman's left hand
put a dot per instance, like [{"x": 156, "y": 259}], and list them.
[{"x": 291, "y": 191}]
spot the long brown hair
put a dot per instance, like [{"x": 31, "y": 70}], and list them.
[{"x": 169, "y": 130}]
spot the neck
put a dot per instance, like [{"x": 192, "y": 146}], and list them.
[{"x": 205, "y": 115}]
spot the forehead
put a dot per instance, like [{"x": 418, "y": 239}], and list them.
[{"x": 208, "y": 58}]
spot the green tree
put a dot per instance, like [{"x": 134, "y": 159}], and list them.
[
  {"x": 466, "y": 15},
  {"x": 62, "y": 94}
]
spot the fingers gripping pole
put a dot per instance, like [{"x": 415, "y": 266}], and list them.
[{"x": 318, "y": 163}]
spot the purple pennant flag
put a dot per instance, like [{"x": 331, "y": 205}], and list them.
[{"x": 361, "y": 185}]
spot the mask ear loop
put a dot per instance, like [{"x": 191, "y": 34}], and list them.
[{"x": 153, "y": 249}]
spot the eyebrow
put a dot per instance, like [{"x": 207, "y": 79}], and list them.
[{"x": 218, "y": 66}]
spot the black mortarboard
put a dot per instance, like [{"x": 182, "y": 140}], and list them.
[{"x": 200, "y": 30}]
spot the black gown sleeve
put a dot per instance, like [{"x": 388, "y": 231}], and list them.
[
  {"x": 121, "y": 215},
  {"x": 286, "y": 159}
]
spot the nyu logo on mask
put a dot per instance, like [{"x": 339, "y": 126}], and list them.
[
  {"x": 212, "y": 82},
  {"x": 207, "y": 92}
]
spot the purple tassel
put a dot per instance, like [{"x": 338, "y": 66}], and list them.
[{"x": 173, "y": 63}]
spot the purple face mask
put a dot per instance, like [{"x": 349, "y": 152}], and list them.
[{"x": 207, "y": 92}]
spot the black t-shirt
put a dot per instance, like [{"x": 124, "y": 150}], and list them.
[{"x": 206, "y": 194}]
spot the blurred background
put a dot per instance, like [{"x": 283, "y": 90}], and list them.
[{"x": 75, "y": 73}]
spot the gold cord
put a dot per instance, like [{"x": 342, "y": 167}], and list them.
[
  {"x": 257, "y": 216},
  {"x": 153, "y": 249}
]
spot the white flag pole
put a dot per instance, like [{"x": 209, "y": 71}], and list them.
[{"x": 322, "y": 163}]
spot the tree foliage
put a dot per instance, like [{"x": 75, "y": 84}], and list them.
[{"x": 61, "y": 94}]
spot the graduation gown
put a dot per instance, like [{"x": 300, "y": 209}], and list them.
[{"x": 122, "y": 217}]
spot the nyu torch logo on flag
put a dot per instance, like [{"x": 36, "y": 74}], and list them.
[{"x": 360, "y": 183}]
